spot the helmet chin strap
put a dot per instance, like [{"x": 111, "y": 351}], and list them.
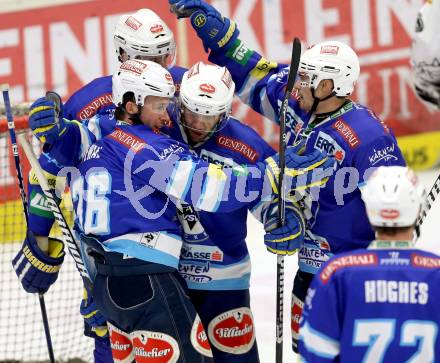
[{"x": 316, "y": 100}]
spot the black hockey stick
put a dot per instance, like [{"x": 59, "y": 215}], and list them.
[
  {"x": 430, "y": 199},
  {"x": 294, "y": 64},
  {"x": 11, "y": 127}
]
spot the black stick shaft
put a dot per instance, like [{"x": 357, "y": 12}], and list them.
[
  {"x": 294, "y": 64},
  {"x": 11, "y": 127}
]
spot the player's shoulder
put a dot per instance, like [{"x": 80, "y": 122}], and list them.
[
  {"x": 365, "y": 123},
  {"x": 95, "y": 86},
  {"x": 242, "y": 140}
]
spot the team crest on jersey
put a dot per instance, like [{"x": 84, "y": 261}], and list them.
[
  {"x": 133, "y": 23},
  {"x": 233, "y": 331},
  {"x": 156, "y": 28},
  {"x": 120, "y": 343},
  {"x": 150, "y": 346},
  {"x": 207, "y": 88},
  {"x": 199, "y": 339}
]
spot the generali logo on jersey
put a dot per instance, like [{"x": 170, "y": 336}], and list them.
[
  {"x": 133, "y": 23},
  {"x": 120, "y": 342},
  {"x": 345, "y": 261},
  {"x": 199, "y": 339},
  {"x": 425, "y": 261},
  {"x": 92, "y": 107},
  {"x": 133, "y": 66},
  {"x": 155, "y": 347},
  {"x": 347, "y": 133},
  {"x": 131, "y": 141},
  {"x": 233, "y": 331},
  {"x": 238, "y": 146}
]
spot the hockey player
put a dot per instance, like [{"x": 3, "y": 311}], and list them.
[
  {"x": 377, "y": 304},
  {"x": 126, "y": 69},
  {"x": 323, "y": 116},
  {"x": 140, "y": 35},
  {"x": 425, "y": 53}
]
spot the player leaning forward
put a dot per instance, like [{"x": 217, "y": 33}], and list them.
[
  {"x": 323, "y": 116},
  {"x": 378, "y": 304},
  {"x": 128, "y": 174}
]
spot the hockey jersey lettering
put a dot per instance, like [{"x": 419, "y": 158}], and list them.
[
  {"x": 91, "y": 108},
  {"x": 128, "y": 140},
  {"x": 238, "y": 146},
  {"x": 347, "y": 133},
  {"x": 402, "y": 292},
  {"x": 340, "y": 262}
]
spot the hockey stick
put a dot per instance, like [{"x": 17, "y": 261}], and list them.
[
  {"x": 293, "y": 70},
  {"x": 11, "y": 127},
  {"x": 58, "y": 214},
  {"x": 430, "y": 199}
]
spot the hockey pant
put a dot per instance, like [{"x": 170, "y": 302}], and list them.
[
  {"x": 300, "y": 286},
  {"x": 150, "y": 318},
  {"x": 229, "y": 323}
]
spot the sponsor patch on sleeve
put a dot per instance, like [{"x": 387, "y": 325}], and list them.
[
  {"x": 128, "y": 140},
  {"x": 240, "y": 53}
]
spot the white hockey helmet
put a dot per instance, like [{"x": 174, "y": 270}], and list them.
[
  {"x": 331, "y": 60},
  {"x": 393, "y": 197},
  {"x": 143, "y": 78},
  {"x": 207, "y": 90},
  {"x": 144, "y": 34}
]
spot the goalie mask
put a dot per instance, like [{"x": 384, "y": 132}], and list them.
[
  {"x": 393, "y": 197},
  {"x": 206, "y": 94},
  {"x": 143, "y": 35}
]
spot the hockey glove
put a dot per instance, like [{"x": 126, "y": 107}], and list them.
[
  {"x": 35, "y": 269},
  {"x": 215, "y": 31},
  {"x": 287, "y": 239},
  {"x": 302, "y": 171},
  {"x": 92, "y": 315},
  {"x": 46, "y": 120}
]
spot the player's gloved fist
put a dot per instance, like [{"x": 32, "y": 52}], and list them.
[
  {"x": 90, "y": 312},
  {"x": 302, "y": 171},
  {"x": 287, "y": 239},
  {"x": 35, "y": 269},
  {"x": 46, "y": 121},
  {"x": 215, "y": 31},
  {"x": 185, "y": 8}
]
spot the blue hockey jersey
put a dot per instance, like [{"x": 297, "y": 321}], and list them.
[
  {"x": 357, "y": 139},
  {"x": 91, "y": 99},
  {"x": 373, "y": 305},
  {"x": 214, "y": 253},
  {"x": 124, "y": 183}
]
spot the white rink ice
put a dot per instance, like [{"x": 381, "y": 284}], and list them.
[{"x": 13, "y": 323}]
